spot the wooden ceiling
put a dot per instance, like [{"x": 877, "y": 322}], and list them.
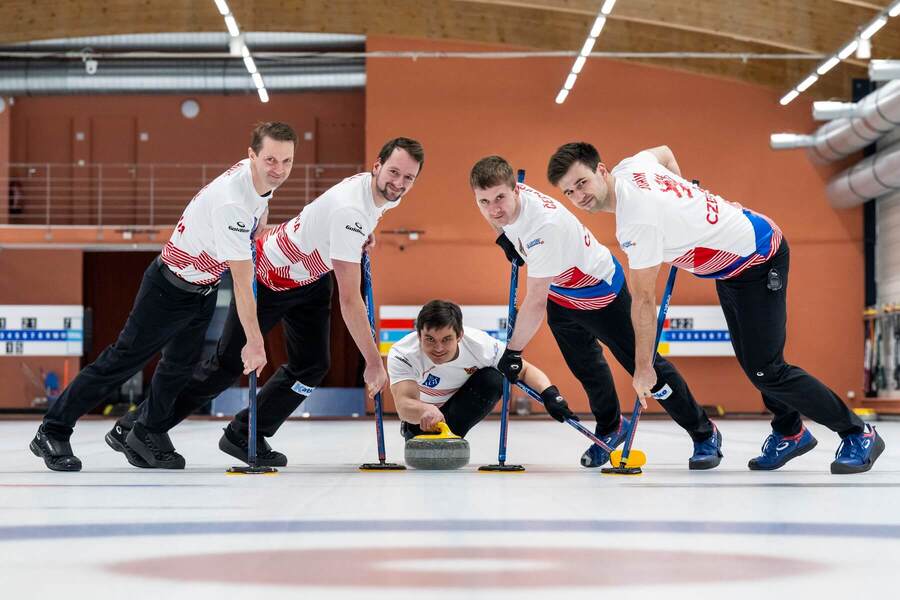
[{"x": 755, "y": 26}]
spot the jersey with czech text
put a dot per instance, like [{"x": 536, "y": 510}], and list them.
[
  {"x": 334, "y": 226},
  {"x": 554, "y": 243},
  {"x": 661, "y": 217},
  {"x": 437, "y": 383},
  {"x": 216, "y": 227}
]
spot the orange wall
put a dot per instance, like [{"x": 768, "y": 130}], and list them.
[
  {"x": 36, "y": 277},
  {"x": 462, "y": 110}
]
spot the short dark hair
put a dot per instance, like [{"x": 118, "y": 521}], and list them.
[
  {"x": 412, "y": 147},
  {"x": 440, "y": 313},
  {"x": 491, "y": 171},
  {"x": 278, "y": 131},
  {"x": 569, "y": 154}
]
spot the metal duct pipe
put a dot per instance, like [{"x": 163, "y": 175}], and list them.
[
  {"x": 21, "y": 78},
  {"x": 873, "y": 177},
  {"x": 203, "y": 41},
  {"x": 877, "y": 114}
]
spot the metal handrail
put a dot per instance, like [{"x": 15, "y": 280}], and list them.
[{"x": 140, "y": 195}]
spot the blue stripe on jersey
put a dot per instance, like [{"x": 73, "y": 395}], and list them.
[
  {"x": 762, "y": 230},
  {"x": 598, "y": 290}
]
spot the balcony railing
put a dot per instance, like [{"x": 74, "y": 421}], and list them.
[{"x": 143, "y": 195}]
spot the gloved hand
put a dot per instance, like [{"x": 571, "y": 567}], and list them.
[
  {"x": 510, "y": 364},
  {"x": 509, "y": 249},
  {"x": 556, "y": 405}
]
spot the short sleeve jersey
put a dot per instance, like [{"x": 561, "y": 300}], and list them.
[
  {"x": 660, "y": 217},
  {"x": 334, "y": 226},
  {"x": 437, "y": 383},
  {"x": 554, "y": 243},
  {"x": 216, "y": 227}
]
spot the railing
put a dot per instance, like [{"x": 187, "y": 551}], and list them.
[{"x": 145, "y": 195}]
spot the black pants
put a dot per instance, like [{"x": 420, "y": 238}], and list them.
[
  {"x": 757, "y": 318},
  {"x": 577, "y": 333},
  {"x": 306, "y": 314},
  {"x": 468, "y": 406},
  {"x": 163, "y": 318}
]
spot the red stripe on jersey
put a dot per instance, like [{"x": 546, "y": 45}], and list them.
[
  {"x": 179, "y": 259},
  {"x": 431, "y": 392},
  {"x": 579, "y": 304},
  {"x": 574, "y": 278}
]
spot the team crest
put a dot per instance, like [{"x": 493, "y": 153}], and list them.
[
  {"x": 431, "y": 381},
  {"x": 471, "y": 370}
]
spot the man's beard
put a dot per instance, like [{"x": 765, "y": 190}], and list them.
[{"x": 384, "y": 194}]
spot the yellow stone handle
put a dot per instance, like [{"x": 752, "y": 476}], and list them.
[{"x": 443, "y": 433}]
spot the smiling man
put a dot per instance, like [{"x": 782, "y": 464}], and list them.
[
  {"x": 580, "y": 286},
  {"x": 175, "y": 304},
  {"x": 294, "y": 265},
  {"x": 444, "y": 371},
  {"x": 661, "y": 217}
]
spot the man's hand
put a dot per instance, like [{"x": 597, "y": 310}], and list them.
[
  {"x": 254, "y": 356},
  {"x": 431, "y": 416},
  {"x": 556, "y": 405},
  {"x": 510, "y": 364},
  {"x": 643, "y": 382},
  {"x": 370, "y": 243},
  {"x": 509, "y": 250},
  {"x": 375, "y": 377}
]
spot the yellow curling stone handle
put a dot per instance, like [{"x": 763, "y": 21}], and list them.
[{"x": 443, "y": 433}]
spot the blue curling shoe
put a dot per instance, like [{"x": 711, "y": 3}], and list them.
[
  {"x": 595, "y": 456},
  {"x": 857, "y": 453},
  {"x": 778, "y": 449},
  {"x": 708, "y": 453}
]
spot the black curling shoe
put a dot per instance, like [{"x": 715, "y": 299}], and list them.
[{"x": 57, "y": 453}]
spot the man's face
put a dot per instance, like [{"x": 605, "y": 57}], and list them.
[
  {"x": 499, "y": 204},
  {"x": 273, "y": 163},
  {"x": 586, "y": 189},
  {"x": 396, "y": 176},
  {"x": 439, "y": 345}
]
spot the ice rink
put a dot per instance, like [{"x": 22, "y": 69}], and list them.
[{"x": 322, "y": 529}]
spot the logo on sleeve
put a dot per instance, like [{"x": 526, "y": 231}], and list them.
[
  {"x": 356, "y": 227},
  {"x": 471, "y": 370},
  {"x": 533, "y": 243},
  {"x": 628, "y": 244},
  {"x": 239, "y": 226},
  {"x": 431, "y": 381}
]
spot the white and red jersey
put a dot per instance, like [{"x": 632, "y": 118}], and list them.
[
  {"x": 437, "y": 383},
  {"x": 334, "y": 226},
  {"x": 555, "y": 244},
  {"x": 216, "y": 227},
  {"x": 660, "y": 217}
]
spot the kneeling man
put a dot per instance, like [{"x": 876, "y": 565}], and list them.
[{"x": 446, "y": 372}]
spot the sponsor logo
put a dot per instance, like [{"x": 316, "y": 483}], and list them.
[
  {"x": 663, "y": 393},
  {"x": 356, "y": 228},
  {"x": 240, "y": 224},
  {"x": 303, "y": 390},
  {"x": 240, "y": 228},
  {"x": 403, "y": 360},
  {"x": 782, "y": 446},
  {"x": 431, "y": 381},
  {"x": 628, "y": 244},
  {"x": 534, "y": 242},
  {"x": 471, "y": 370}
]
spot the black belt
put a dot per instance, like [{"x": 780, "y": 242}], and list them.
[{"x": 181, "y": 284}]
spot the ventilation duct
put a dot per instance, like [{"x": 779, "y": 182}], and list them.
[
  {"x": 877, "y": 114},
  {"x": 870, "y": 178}
]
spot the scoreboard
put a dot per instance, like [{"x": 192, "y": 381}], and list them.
[{"x": 41, "y": 330}]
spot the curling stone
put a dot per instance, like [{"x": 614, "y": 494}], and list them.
[{"x": 440, "y": 451}]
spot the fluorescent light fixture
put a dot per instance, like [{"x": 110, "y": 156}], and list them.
[
  {"x": 828, "y": 65},
  {"x": 561, "y": 96},
  {"x": 231, "y": 24},
  {"x": 570, "y": 81},
  {"x": 864, "y": 50},
  {"x": 804, "y": 85},
  {"x": 579, "y": 64},
  {"x": 608, "y": 6},
  {"x": 789, "y": 97},
  {"x": 827, "y": 110},
  {"x": 263, "y": 95},
  {"x": 598, "y": 26},
  {"x": 251, "y": 66},
  {"x": 245, "y": 51},
  {"x": 588, "y": 46},
  {"x": 786, "y": 141},
  {"x": 884, "y": 70},
  {"x": 257, "y": 80},
  {"x": 873, "y": 27},
  {"x": 848, "y": 49},
  {"x": 223, "y": 7},
  {"x": 895, "y": 10}
]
